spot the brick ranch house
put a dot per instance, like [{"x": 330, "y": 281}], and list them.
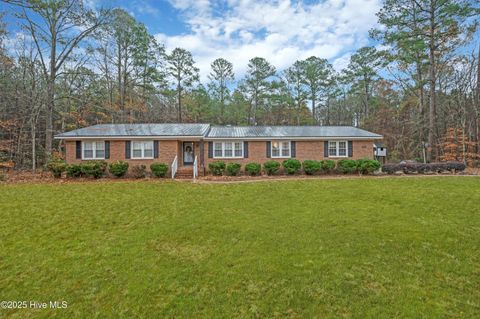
[{"x": 189, "y": 148}]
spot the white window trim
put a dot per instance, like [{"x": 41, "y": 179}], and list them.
[
  {"x": 142, "y": 143},
  {"x": 233, "y": 149},
  {"x": 337, "y": 149},
  {"x": 280, "y": 143},
  {"x": 94, "y": 151}
]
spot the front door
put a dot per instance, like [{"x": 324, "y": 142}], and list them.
[{"x": 188, "y": 153}]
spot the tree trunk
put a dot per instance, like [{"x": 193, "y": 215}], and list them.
[
  {"x": 51, "y": 93},
  {"x": 477, "y": 105},
  {"x": 314, "y": 112},
  {"x": 179, "y": 92},
  {"x": 34, "y": 149},
  {"x": 432, "y": 81}
]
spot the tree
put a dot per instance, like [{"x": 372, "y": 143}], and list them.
[
  {"x": 57, "y": 29},
  {"x": 439, "y": 28},
  {"x": 295, "y": 79},
  {"x": 181, "y": 68},
  {"x": 407, "y": 52},
  {"x": 220, "y": 77},
  {"x": 316, "y": 75},
  {"x": 256, "y": 84},
  {"x": 362, "y": 71}
]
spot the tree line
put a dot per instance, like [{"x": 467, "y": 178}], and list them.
[{"x": 73, "y": 66}]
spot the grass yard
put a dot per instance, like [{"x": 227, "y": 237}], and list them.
[{"x": 356, "y": 248}]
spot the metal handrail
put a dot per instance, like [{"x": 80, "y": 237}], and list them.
[
  {"x": 195, "y": 168},
  {"x": 174, "y": 166}
]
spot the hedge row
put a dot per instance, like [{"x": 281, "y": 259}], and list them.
[
  {"x": 409, "y": 168},
  {"x": 98, "y": 169},
  {"x": 294, "y": 166}
]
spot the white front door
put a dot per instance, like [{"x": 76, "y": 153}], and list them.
[{"x": 188, "y": 153}]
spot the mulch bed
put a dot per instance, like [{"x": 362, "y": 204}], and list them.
[{"x": 20, "y": 176}]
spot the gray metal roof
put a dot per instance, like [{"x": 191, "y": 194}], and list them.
[
  {"x": 164, "y": 129},
  {"x": 288, "y": 132},
  {"x": 215, "y": 132}
]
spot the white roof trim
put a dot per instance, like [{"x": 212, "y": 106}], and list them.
[
  {"x": 294, "y": 138},
  {"x": 128, "y": 137}
]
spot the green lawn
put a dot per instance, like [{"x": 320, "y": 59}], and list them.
[{"x": 357, "y": 248}]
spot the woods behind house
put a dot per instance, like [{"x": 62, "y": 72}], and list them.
[{"x": 72, "y": 66}]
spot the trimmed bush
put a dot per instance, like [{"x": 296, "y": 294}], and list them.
[
  {"x": 253, "y": 169},
  {"x": 327, "y": 166},
  {"x": 159, "y": 169},
  {"x": 292, "y": 166},
  {"x": 347, "y": 166},
  {"x": 233, "y": 169},
  {"x": 118, "y": 168},
  {"x": 57, "y": 166},
  {"x": 412, "y": 168},
  {"x": 95, "y": 169},
  {"x": 139, "y": 171},
  {"x": 74, "y": 170},
  {"x": 217, "y": 168},
  {"x": 271, "y": 167},
  {"x": 311, "y": 167},
  {"x": 367, "y": 166}
]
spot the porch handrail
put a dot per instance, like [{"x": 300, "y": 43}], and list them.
[
  {"x": 195, "y": 168},
  {"x": 174, "y": 166}
]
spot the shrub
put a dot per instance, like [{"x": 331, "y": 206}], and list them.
[
  {"x": 367, "y": 166},
  {"x": 217, "y": 168},
  {"x": 57, "y": 166},
  {"x": 139, "y": 171},
  {"x": 159, "y": 169},
  {"x": 94, "y": 169},
  {"x": 74, "y": 170},
  {"x": 311, "y": 167},
  {"x": 410, "y": 168},
  {"x": 233, "y": 169},
  {"x": 292, "y": 166},
  {"x": 253, "y": 169},
  {"x": 327, "y": 165},
  {"x": 271, "y": 167},
  {"x": 118, "y": 168},
  {"x": 347, "y": 166}
]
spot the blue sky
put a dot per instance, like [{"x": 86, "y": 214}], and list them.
[{"x": 281, "y": 31}]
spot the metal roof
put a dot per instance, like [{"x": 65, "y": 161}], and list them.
[
  {"x": 289, "y": 132},
  {"x": 217, "y": 132},
  {"x": 115, "y": 130}
]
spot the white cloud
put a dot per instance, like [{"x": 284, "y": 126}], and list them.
[{"x": 281, "y": 31}]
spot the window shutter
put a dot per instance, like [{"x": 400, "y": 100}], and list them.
[
  {"x": 78, "y": 149},
  {"x": 127, "y": 149},
  {"x": 155, "y": 149},
  {"x": 210, "y": 149},
  {"x": 293, "y": 150},
  {"x": 350, "y": 148},
  {"x": 269, "y": 149},
  {"x": 325, "y": 149},
  {"x": 245, "y": 149},
  {"x": 107, "y": 149}
]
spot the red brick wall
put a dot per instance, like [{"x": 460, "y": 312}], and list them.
[
  {"x": 166, "y": 153},
  {"x": 305, "y": 150}
]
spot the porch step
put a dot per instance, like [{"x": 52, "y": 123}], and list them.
[{"x": 184, "y": 172}]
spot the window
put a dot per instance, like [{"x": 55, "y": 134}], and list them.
[
  {"x": 337, "y": 148},
  {"x": 281, "y": 149},
  {"x": 93, "y": 150},
  {"x": 142, "y": 149},
  {"x": 228, "y": 149}
]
